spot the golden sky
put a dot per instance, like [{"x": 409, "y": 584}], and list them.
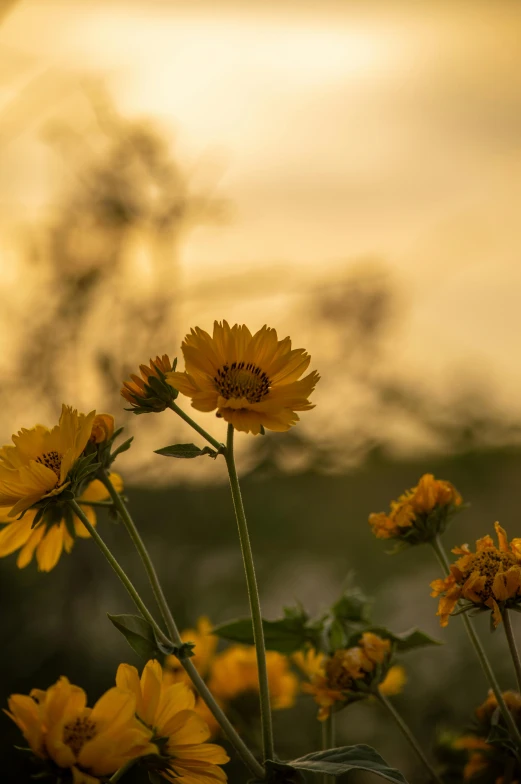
[{"x": 337, "y": 131}]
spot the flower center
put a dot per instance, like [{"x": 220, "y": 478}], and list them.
[
  {"x": 52, "y": 460},
  {"x": 488, "y": 563},
  {"x": 242, "y": 380},
  {"x": 78, "y": 732}
]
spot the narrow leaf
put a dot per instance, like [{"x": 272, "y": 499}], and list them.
[
  {"x": 406, "y": 641},
  {"x": 336, "y": 762},
  {"x": 185, "y": 451}
]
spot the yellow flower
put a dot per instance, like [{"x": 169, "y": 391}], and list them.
[
  {"x": 168, "y": 709},
  {"x": 487, "y": 709},
  {"x": 234, "y": 672},
  {"x": 102, "y": 428},
  {"x": 36, "y": 467},
  {"x": 420, "y": 513},
  {"x": 150, "y": 393},
  {"x": 51, "y": 535},
  {"x": 253, "y": 381},
  {"x": 85, "y": 742},
  {"x": 489, "y": 578},
  {"x": 350, "y": 673}
]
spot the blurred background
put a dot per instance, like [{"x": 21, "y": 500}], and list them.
[{"x": 346, "y": 172}]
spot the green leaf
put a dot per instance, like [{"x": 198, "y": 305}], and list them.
[
  {"x": 286, "y": 635},
  {"x": 336, "y": 762},
  {"x": 353, "y": 606},
  {"x": 138, "y": 633},
  {"x": 406, "y": 641},
  {"x": 186, "y": 451}
]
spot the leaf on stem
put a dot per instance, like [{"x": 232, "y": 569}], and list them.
[
  {"x": 337, "y": 762},
  {"x": 406, "y": 641},
  {"x": 138, "y": 633},
  {"x": 287, "y": 635},
  {"x": 186, "y": 451}
]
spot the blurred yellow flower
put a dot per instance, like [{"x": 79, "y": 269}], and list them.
[
  {"x": 234, "y": 672},
  {"x": 350, "y": 673},
  {"x": 52, "y": 534},
  {"x": 419, "y": 514},
  {"x": 36, "y": 467},
  {"x": 204, "y": 651},
  {"x": 489, "y": 578},
  {"x": 102, "y": 428},
  {"x": 493, "y": 763},
  {"x": 205, "y": 646},
  {"x": 83, "y": 742},
  {"x": 146, "y": 394},
  {"x": 253, "y": 381},
  {"x": 168, "y": 709}
]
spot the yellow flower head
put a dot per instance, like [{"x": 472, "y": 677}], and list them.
[
  {"x": 350, "y": 674},
  {"x": 234, "y": 673},
  {"x": 486, "y": 710},
  {"x": 168, "y": 709},
  {"x": 38, "y": 464},
  {"x": 150, "y": 393},
  {"x": 102, "y": 428},
  {"x": 253, "y": 381},
  {"x": 489, "y": 578},
  {"x": 419, "y": 514},
  {"x": 84, "y": 742},
  {"x": 55, "y": 532}
]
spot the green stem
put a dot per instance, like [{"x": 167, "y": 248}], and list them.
[
  {"x": 408, "y": 734},
  {"x": 121, "y": 772},
  {"x": 512, "y": 646},
  {"x": 98, "y": 504},
  {"x": 441, "y": 555},
  {"x": 240, "y": 747},
  {"x": 253, "y": 593},
  {"x": 211, "y": 440},
  {"x": 328, "y": 742},
  {"x": 121, "y": 574}
]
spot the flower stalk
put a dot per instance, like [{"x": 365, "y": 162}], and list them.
[
  {"x": 202, "y": 432},
  {"x": 507, "y": 623},
  {"x": 441, "y": 555},
  {"x": 328, "y": 742},
  {"x": 407, "y": 733},
  {"x": 253, "y": 593},
  {"x": 238, "y": 744}
]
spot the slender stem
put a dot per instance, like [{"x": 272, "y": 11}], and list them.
[
  {"x": 121, "y": 574},
  {"x": 512, "y": 645},
  {"x": 408, "y": 734},
  {"x": 441, "y": 555},
  {"x": 98, "y": 504},
  {"x": 202, "y": 432},
  {"x": 328, "y": 742},
  {"x": 253, "y": 593},
  {"x": 240, "y": 747},
  {"x": 121, "y": 772}
]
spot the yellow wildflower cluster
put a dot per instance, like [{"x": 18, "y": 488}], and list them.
[
  {"x": 232, "y": 673},
  {"x": 489, "y": 578},
  {"x": 350, "y": 674},
  {"x": 147, "y": 716},
  {"x": 419, "y": 514}
]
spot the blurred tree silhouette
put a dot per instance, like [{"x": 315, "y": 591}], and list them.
[{"x": 128, "y": 195}]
